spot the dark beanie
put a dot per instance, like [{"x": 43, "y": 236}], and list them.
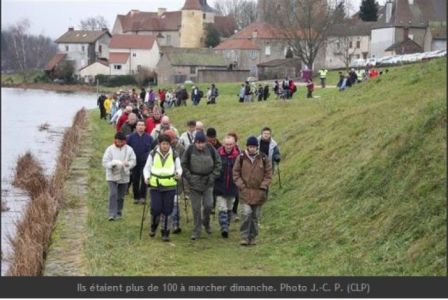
[
  {"x": 199, "y": 137},
  {"x": 252, "y": 141},
  {"x": 211, "y": 132},
  {"x": 120, "y": 136}
]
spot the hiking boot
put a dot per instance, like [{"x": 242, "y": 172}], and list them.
[
  {"x": 177, "y": 230},
  {"x": 208, "y": 229},
  {"x": 194, "y": 237},
  {"x": 252, "y": 242},
  {"x": 152, "y": 233},
  {"x": 212, "y": 212},
  {"x": 225, "y": 234},
  {"x": 244, "y": 242},
  {"x": 165, "y": 235},
  {"x": 111, "y": 219}
]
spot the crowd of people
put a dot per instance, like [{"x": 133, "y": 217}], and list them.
[{"x": 215, "y": 177}]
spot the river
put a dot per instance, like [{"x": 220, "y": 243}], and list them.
[{"x": 22, "y": 113}]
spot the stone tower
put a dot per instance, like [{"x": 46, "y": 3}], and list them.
[{"x": 192, "y": 24}]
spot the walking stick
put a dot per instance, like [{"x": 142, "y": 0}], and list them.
[
  {"x": 143, "y": 219},
  {"x": 185, "y": 199},
  {"x": 279, "y": 178}
]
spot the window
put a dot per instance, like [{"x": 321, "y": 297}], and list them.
[
  {"x": 358, "y": 44},
  {"x": 134, "y": 54},
  {"x": 267, "y": 50},
  {"x": 66, "y": 48},
  {"x": 358, "y": 56},
  {"x": 100, "y": 48},
  {"x": 168, "y": 39},
  {"x": 253, "y": 54},
  {"x": 139, "y": 68},
  {"x": 83, "y": 48},
  {"x": 411, "y": 36},
  {"x": 350, "y": 45},
  {"x": 117, "y": 67},
  {"x": 192, "y": 70},
  {"x": 204, "y": 16}
]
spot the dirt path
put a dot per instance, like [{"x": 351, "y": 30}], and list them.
[{"x": 65, "y": 256}]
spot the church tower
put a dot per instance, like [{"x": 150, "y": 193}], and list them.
[{"x": 192, "y": 24}]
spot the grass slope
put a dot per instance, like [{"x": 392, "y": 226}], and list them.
[{"x": 364, "y": 185}]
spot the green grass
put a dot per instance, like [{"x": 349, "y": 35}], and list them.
[{"x": 364, "y": 186}]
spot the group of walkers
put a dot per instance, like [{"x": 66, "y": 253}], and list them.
[
  {"x": 149, "y": 153},
  {"x": 353, "y": 76}
]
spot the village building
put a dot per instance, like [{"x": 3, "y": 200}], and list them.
[
  {"x": 130, "y": 54},
  {"x": 81, "y": 47},
  {"x": 184, "y": 28},
  {"x": 409, "y": 19},
  {"x": 88, "y": 73},
  {"x": 178, "y": 65},
  {"x": 347, "y": 42}
]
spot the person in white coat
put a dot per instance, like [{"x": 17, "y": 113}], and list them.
[{"x": 118, "y": 160}]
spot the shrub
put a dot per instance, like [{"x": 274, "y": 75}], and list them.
[{"x": 115, "y": 81}]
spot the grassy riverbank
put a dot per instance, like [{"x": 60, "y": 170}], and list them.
[{"x": 364, "y": 186}]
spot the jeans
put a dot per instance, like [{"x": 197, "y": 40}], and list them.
[{"x": 225, "y": 205}]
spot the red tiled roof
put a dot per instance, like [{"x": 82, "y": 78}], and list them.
[
  {"x": 226, "y": 25},
  {"x": 125, "y": 41},
  {"x": 264, "y": 31},
  {"x": 238, "y": 44},
  {"x": 150, "y": 21},
  {"x": 192, "y": 5},
  {"x": 118, "y": 57},
  {"x": 54, "y": 61}
]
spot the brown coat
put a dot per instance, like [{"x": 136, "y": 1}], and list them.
[{"x": 252, "y": 179}]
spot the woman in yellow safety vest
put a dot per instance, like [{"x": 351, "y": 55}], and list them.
[{"x": 161, "y": 172}]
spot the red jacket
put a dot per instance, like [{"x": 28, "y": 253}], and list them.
[
  {"x": 123, "y": 118},
  {"x": 151, "y": 124}
]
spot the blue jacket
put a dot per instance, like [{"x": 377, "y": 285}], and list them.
[{"x": 141, "y": 145}]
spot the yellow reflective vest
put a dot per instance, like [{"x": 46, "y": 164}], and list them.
[
  {"x": 162, "y": 171},
  {"x": 323, "y": 73}
]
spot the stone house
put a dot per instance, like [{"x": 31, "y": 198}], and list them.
[
  {"x": 408, "y": 19},
  {"x": 178, "y": 65},
  {"x": 130, "y": 54},
  {"x": 83, "y": 47},
  {"x": 89, "y": 72},
  {"x": 347, "y": 42},
  {"x": 184, "y": 28}
]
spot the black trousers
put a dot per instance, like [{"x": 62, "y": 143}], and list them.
[
  {"x": 102, "y": 113},
  {"x": 139, "y": 187}
]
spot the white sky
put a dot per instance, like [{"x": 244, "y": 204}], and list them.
[{"x": 53, "y": 17}]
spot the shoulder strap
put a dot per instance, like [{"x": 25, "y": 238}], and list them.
[{"x": 211, "y": 149}]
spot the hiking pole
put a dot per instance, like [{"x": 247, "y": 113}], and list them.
[
  {"x": 143, "y": 219},
  {"x": 279, "y": 177},
  {"x": 185, "y": 199}
]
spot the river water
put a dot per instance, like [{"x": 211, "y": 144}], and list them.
[{"x": 22, "y": 113}]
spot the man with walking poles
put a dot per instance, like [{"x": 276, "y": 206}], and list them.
[{"x": 161, "y": 172}]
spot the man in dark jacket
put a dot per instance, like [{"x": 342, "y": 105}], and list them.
[
  {"x": 252, "y": 175},
  {"x": 141, "y": 143},
  {"x": 100, "y": 103},
  {"x": 201, "y": 165},
  {"x": 225, "y": 189}
]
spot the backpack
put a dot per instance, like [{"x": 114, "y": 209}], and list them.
[
  {"x": 263, "y": 158},
  {"x": 190, "y": 150}
]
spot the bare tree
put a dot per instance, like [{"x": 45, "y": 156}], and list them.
[
  {"x": 305, "y": 25},
  {"x": 18, "y": 36},
  {"x": 244, "y": 11},
  {"x": 93, "y": 23}
]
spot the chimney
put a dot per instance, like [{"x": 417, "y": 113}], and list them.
[
  {"x": 389, "y": 5},
  {"x": 134, "y": 11},
  {"x": 71, "y": 29},
  {"x": 104, "y": 29},
  {"x": 255, "y": 34},
  {"x": 161, "y": 11}
]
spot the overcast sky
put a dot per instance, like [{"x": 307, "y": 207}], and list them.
[{"x": 53, "y": 17}]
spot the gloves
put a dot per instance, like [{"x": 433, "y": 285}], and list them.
[{"x": 116, "y": 163}]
